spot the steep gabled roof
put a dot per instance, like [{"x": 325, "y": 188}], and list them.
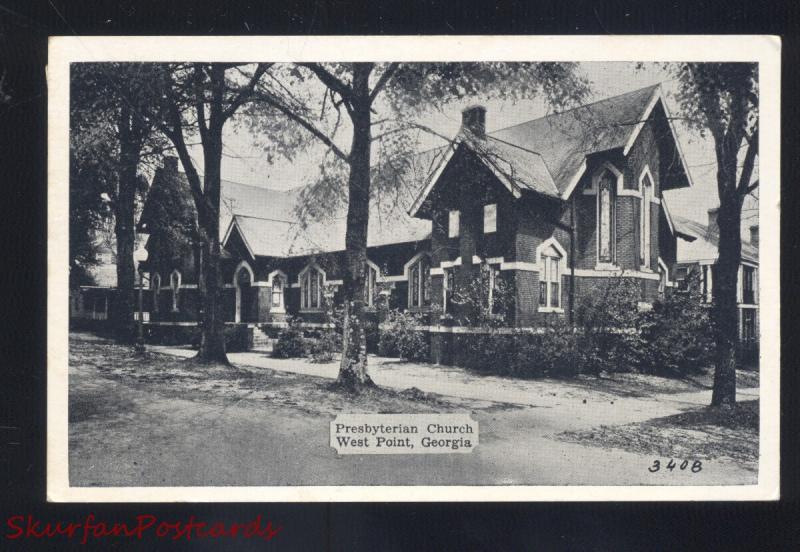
[
  {"x": 548, "y": 155},
  {"x": 275, "y": 238},
  {"x": 699, "y": 242}
]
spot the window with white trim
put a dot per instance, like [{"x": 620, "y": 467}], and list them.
[
  {"x": 662, "y": 281},
  {"x": 278, "y": 284},
  {"x": 490, "y": 218},
  {"x": 155, "y": 285},
  {"x": 370, "y": 286},
  {"x": 453, "y": 223},
  {"x": 550, "y": 279},
  {"x": 311, "y": 289},
  {"x": 419, "y": 292},
  {"x": 175, "y": 284},
  {"x": 644, "y": 222},
  {"x": 606, "y": 201}
]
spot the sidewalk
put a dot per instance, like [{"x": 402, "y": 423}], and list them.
[{"x": 586, "y": 406}]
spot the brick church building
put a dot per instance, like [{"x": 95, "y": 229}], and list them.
[{"x": 554, "y": 208}]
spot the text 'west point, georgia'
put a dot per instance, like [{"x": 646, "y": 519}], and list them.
[{"x": 403, "y": 433}]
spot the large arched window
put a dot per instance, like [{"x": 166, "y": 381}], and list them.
[
  {"x": 311, "y": 281},
  {"x": 606, "y": 201},
  {"x": 155, "y": 286},
  {"x": 175, "y": 285},
  {"x": 644, "y": 221},
  {"x": 419, "y": 286}
]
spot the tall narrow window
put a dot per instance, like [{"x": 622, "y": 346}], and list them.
[
  {"x": 644, "y": 222},
  {"x": 448, "y": 287},
  {"x": 605, "y": 218},
  {"x": 155, "y": 285},
  {"x": 311, "y": 289},
  {"x": 175, "y": 284},
  {"x": 490, "y": 218},
  {"x": 277, "y": 292},
  {"x": 489, "y": 281},
  {"x": 748, "y": 293},
  {"x": 662, "y": 281},
  {"x": 419, "y": 294},
  {"x": 708, "y": 283},
  {"x": 550, "y": 279},
  {"x": 370, "y": 288},
  {"x": 453, "y": 223}
]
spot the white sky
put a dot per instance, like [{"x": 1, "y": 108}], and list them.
[{"x": 243, "y": 162}]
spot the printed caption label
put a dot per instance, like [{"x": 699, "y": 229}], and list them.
[{"x": 404, "y": 433}]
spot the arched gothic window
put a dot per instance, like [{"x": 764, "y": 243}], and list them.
[
  {"x": 419, "y": 286},
  {"x": 370, "y": 286},
  {"x": 175, "y": 284},
  {"x": 606, "y": 201},
  {"x": 311, "y": 288},
  {"x": 644, "y": 222},
  {"x": 278, "y": 283},
  {"x": 155, "y": 286}
]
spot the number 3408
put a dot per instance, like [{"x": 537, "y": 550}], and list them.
[{"x": 694, "y": 466}]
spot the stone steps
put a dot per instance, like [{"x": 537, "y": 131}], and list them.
[{"x": 261, "y": 341}]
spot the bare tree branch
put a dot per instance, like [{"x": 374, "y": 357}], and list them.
[
  {"x": 332, "y": 82},
  {"x": 271, "y": 100},
  {"x": 247, "y": 91}
]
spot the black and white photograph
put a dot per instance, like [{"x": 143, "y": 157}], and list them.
[{"x": 329, "y": 269}]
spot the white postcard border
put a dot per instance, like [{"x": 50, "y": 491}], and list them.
[{"x": 751, "y": 48}]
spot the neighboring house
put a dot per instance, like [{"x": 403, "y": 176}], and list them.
[
  {"x": 94, "y": 302},
  {"x": 557, "y": 208},
  {"x": 698, "y": 249}
]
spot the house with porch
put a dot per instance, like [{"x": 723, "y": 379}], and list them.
[
  {"x": 698, "y": 250},
  {"x": 553, "y": 208}
]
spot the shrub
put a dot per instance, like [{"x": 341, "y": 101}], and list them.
[
  {"x": 291, "y": 343},
  {"x": 558, "y": 351},
  {"x": 323, "y": 348},
  {"x": 489, "y": 352},
  {"x": 399, "y": 338},
  {"x": 679, "y": 336},
  {"x": 609, "y": 323}
]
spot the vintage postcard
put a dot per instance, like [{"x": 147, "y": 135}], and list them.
[{"x": 413, "y": 268}]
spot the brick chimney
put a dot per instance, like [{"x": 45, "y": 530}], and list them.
[
  {"x": 754, "y": 235},
  {"x": 712, "y": 219},
  {"x": 473, "y": 118},
  {"x": 171, "y": 164}
]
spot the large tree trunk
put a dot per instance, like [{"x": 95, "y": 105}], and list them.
[
  {"x": 353, "y": 368},
  {"x": 124, "y": 229},
  {"x": 212, "y": 341},
  {"x": 726, "y": 316}
]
